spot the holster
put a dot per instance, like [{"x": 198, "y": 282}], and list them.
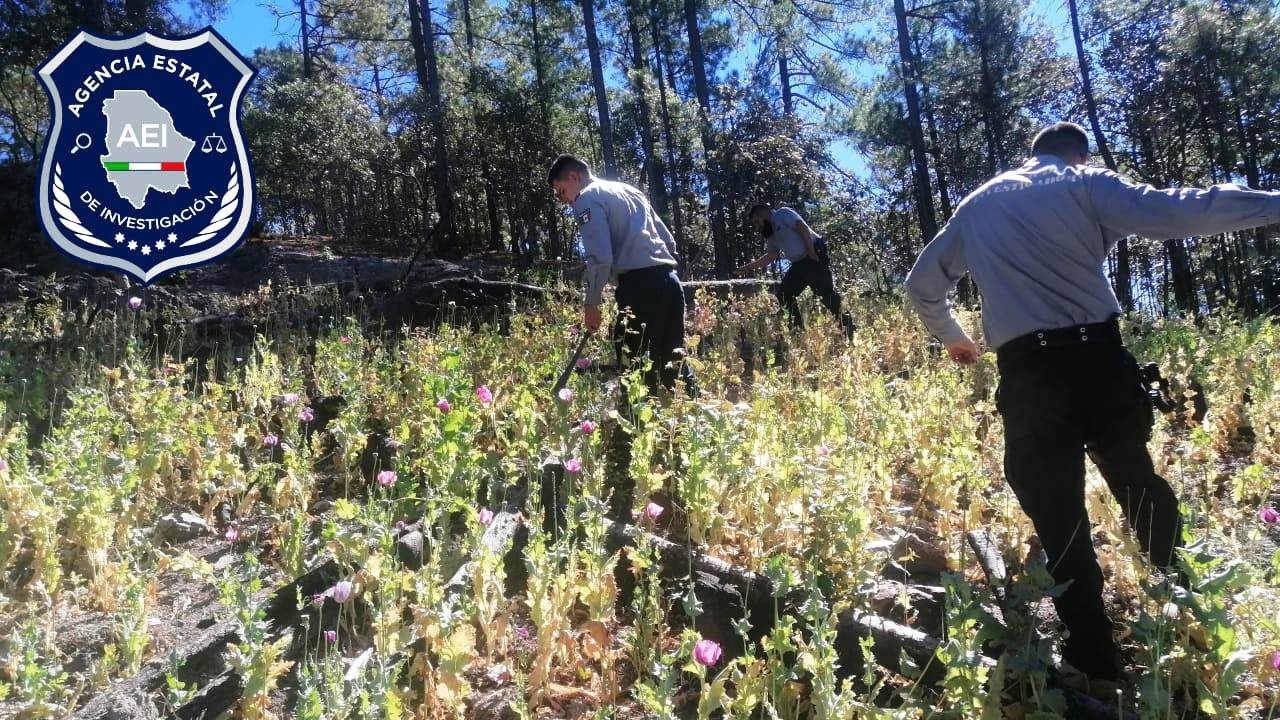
[{"x": 1157, "y": 387}]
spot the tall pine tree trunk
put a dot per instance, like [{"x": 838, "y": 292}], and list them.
[
  {"x": 934, "y": 147},
  {"x": 784, "y": 79},
  {"x": 597, "y": 81},
  {"x": 135, "y": 12},
  {"x": 1124, "y": 276},
  {"x": 640, "y": 68},
  {"x": 544, "y": 207},
  {"x": 306, "y": 40},
  {"x": 702, "y": 89},
  {"x": 919, "y": 157},
  {"x": 1269, "y": 288},
  {"x": 423, "y": 37},
  {"x": 668, "y": 138},
  {"x": 486, "y": 169}
]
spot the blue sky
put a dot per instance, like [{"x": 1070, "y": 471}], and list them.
[{"x": 251, "y": 24}]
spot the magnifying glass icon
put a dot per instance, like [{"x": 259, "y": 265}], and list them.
[{"x": 82, "y": 141}]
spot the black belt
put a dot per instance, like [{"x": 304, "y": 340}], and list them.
[
  {"x": 651, "y": 270},
  {"x": 1036, "y": 343}
]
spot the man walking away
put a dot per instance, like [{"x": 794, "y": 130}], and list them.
[
  {"x": 790, "y": 237},
  {"x": 1035, "y": 240}
]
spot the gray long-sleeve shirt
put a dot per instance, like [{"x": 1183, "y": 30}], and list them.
[
  {"x": 620, "y": 232},
  {"x": 1035, "y": 240}
]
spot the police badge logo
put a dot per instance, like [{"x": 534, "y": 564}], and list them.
[{"x": 145, "y": 168}]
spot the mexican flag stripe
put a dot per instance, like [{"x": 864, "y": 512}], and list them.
[{"x": 122, "y": 166}]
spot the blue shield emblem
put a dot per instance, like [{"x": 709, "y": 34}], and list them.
[{"x": 145, "y": 168}]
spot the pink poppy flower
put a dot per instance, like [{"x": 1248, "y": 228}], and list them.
[
  {"x": 443, "y": 406},
  {"x": 573, "y": 465},
  {"x": 653, "y": 510},
  {"x": 341, "y": 592},
  {"x": 484, "y": 395},
  {"x": 707, "y": 653},
  {"x": 331, "y": 636},
  {"x": 486, "y": 516},
  {"x": 387, "y": 478},
  {"x": 1269, "y": 515},
  {"x": 270, "y": 440},
  {"x": 587, "y": 427}
]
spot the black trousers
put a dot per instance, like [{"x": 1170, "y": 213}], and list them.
[
  {"x": 1062, "y": 393},
  {"x": 814, "y": 274},
  {"x": 650, "y": 323}
]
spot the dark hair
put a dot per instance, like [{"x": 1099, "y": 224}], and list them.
[
  {"x": 1061, "y": 138},
  {"x": 564, "y": 165},
  {"x": 757, "y": 209}
]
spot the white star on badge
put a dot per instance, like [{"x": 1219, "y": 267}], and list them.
[
  {"x": 173, "y": 237},
  {"x": 133, "y": 244},
  {"x": 159, "y": 244},
  {"x": 146, "y": 249},
  {"x": 119, "y": 237}
]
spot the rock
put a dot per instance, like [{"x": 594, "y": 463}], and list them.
[
  {"x": 411, "y": 548},
  {"x": 494, "y": 705},
  {"x": 129, "y": 703},
  {"x": 916, "y": 556},
  {"x": 180, "y": 527}
]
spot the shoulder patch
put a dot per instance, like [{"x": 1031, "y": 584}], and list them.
[{"x": 584, "y": 217}]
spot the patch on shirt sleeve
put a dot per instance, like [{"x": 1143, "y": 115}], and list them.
[{"x": 584, "y": 217}]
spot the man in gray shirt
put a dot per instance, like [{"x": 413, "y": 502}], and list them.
[
  {"x": 790, "y": 237},
  {"x": 1035, "y": 240},
  {"x": 625, "y": 241}
]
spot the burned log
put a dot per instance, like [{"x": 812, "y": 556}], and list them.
[
  {"x": 200, "y": 659},
  {"x": 723, "y": 289},
  {"x": 214, "y": 699},
  {"x": 1080, "y": 706},
  {"x": 739, "y": 592},
  {"x": 450, "y": 299},
  {"x": 992, "y": 563}
]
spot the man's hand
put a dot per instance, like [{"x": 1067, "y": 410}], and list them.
[
  {"x": 591, "y": 317},
  {"x": 963, "y": 351}
]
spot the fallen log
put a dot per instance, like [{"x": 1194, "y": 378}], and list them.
[
  {"x": 215, "y": 698},
  {"x": 200, "y": 659},
  {"x": 723, "y": 289},
  {"x": 991, "y": 561},
  {"x": 892, "y": 640},
  {"x": 441, "y": 300},
  {"x": 1080, "y": 706},
  {"x": 505, "y": 530},
  {"x": 752, "y": 596}
]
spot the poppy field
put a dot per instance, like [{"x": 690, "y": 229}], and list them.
[{"x": 348, "y": 520}]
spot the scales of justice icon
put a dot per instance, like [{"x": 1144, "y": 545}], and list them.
[{"x": 213, "y": 142}]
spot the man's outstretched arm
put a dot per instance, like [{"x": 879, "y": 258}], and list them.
[
  {"x": 936, "y": 272},
  {"x": 1130, "y": 209},
  {"x": 756, "y": 264}
]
